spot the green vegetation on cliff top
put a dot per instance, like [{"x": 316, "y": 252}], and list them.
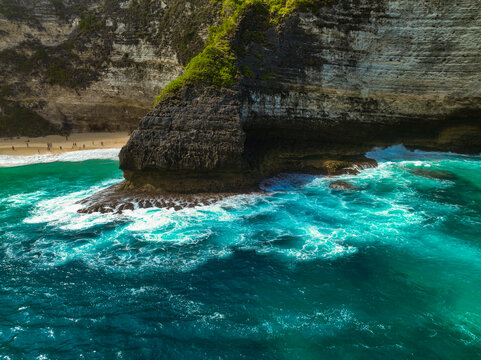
[{"x": 216, "y": 64}]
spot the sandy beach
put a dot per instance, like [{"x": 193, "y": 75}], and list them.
[{"x": 56, "y": 144}]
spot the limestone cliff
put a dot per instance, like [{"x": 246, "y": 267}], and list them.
[
  {"x": 92, "y": 65},
  {"x": 315, "y": 90}
]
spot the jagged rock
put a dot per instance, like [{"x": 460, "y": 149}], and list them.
[
  {"x": 433, "y": 173},
  {"x": 120, "y": 197}
]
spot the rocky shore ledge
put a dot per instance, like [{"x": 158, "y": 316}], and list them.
[{"x": 119, "y": 198}]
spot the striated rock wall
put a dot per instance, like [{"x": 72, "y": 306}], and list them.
[
  {"x": 92, "y": 65},
  {"x": 321, "y": 88},
  {"x": 386, "y": 63}
]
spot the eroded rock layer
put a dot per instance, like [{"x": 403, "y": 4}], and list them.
[{"x": 317, "y": 91}]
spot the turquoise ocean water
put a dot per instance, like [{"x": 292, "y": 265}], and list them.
[{"x": 389, "y": 270}]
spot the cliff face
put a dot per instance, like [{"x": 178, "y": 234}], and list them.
[
  {"x": 190, "y": 143},
  {"x": 318, "y": 90},
  {"x": 92, "y": 65}
]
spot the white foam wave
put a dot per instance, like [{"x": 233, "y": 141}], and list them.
[
  {"x": 311, "y": 223},
  {"x": 400, "y": 153},
  {"x": 23, "y": 199},
  {"x": 81, "y": 155},
  {"x": 61, "y": 211},
  {"x": 171, "y": 239}
]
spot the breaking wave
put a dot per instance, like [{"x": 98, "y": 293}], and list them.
[
  {"x": 81, "y": 155},
  {"x": 298, "y": 271},
  {"x": 300, "y": 218}
]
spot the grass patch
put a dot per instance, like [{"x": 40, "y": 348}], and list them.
[
  {"x": 248, "y": 73},
  {"x": 268, "y": 76},
  {"x": 215, "y": 66},
  {"x": 57, "y": 74}
]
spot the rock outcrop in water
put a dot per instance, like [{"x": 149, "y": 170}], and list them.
[{"x": 317, "y": 90}]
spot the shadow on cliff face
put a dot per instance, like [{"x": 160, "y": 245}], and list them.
[
  {"x": 291, "y": 121},
  {"x": 334, "y": 148},
  {"x": 274, "y": 54}
]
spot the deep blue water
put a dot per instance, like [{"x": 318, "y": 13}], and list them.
[{"x": 389, "y": 270}]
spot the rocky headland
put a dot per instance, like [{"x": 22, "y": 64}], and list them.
[{"x": 310, "y": 88}]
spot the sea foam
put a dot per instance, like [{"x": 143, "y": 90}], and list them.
[
  {"x": 399, "y": 152},
  {"x": 298, "y": 218},
  {"x": 73, "y": 156},
  {"x": 290, "y": 268}
]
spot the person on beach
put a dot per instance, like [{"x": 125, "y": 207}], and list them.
[{"x": 13, "y": 148}]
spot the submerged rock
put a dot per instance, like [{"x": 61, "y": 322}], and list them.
[
  {"x": 433, "y": 173},
  {"x": 341, "y": 185}
]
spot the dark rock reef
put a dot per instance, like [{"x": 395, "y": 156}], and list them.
[
  {"x": 118, "y": 198},
  {"x": 316, "y": 91}
]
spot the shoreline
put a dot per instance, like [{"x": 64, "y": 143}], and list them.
[
  {"x": 57, "y": 144},
  {"x": 67, "y": 156}
]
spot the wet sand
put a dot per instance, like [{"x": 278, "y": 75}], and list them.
[{"x": 61, "y": 144}]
